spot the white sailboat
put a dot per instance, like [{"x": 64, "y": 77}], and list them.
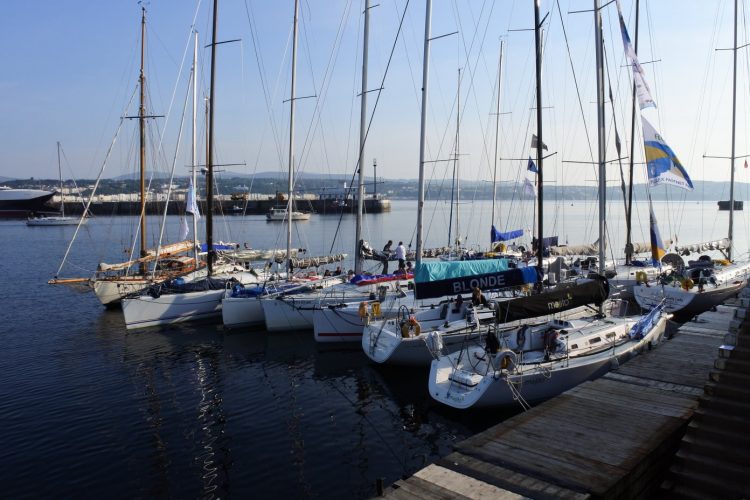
[
  {"x": 536, "y": 361},
  {"x": 176, "y": 301},
  {"x": 57, "y": 220},
  {"x": 704, "y": 283},
  {"x": 280, "y": 215}
]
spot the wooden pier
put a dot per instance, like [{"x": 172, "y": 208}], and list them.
[{"x": 614, "y": 437}]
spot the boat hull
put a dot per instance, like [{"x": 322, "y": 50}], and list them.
[
  {"x": 111, "y": 291},
  {"x": 684, "y": 303},
  {"x": 145, "y": 311},
  {"x": 54, "y": 221},
  {"x": 535, "y": 382},
  {"x": 238, "y": 312}
]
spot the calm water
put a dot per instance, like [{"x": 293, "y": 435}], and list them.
[{"x": 190, "y": 411}]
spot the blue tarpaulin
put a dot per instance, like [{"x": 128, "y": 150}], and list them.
[{"x": 441, "y": 279}]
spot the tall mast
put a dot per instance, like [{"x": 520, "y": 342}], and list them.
[
  {"x": 142, "y": 127},
  {"x": 194, "y": 151},
  {"x": 210, "y": 151},
  {"x": 601, "y": 138},
  {"x": 734, "y": 122},
  {"x": 422, "y": 139},
  {"x": 457, "y": 164},
  {"x": 59, "y": 170},
  {"x": 291, "y": 144},
  {"x": 362, "y": 131},
  {"x": 497, "y": 129},
  {"x": 629, "y": 211},
  {"x": 539, "y": 155}
]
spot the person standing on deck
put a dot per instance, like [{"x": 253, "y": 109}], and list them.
[
  {"x": 401, "y": 255},
  {"x": 387, "y": 253}
]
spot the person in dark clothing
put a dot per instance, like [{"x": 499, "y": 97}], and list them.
[
  {"x": 387, "y": 251},
  {"x": 477, "y": 298}
]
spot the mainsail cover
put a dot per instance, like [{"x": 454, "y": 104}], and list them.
[
  {"x": 721, "y": 244},
  {"x": 594, "y": 291},
  {"x": 440, "y": 279}
]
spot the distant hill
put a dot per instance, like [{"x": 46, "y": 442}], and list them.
[{"x": 6, "y": 179}]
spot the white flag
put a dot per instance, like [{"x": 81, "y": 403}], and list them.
[
  {"x": 191, "y": 205},
  {"x": 184, "y": 230},
  {"x": 528, "y": 188}
]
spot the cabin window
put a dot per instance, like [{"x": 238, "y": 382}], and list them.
[
  {"x": 610, "y": 335},
  {"x": 594, "y": 341},
  {"x": 574, "y": 346},
  {"x": 444, "y": 311}
]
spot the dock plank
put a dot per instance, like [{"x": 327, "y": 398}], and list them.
[{"x": 605, "y": 438}]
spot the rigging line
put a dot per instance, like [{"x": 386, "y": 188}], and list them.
[
  {"x": 261, "y": 72},
  {"x": 315, "y": 123},
  {"x": 372, "y": 116},
  {"x": 96, "y": 185},
  {"x": 171, "y": 180}
]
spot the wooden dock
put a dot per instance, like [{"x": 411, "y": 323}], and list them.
[{"x": 609, "y": 438}]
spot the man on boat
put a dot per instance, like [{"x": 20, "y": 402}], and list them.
[
  {"x": 401, "y": 255},
  {"x": 387, "y": 253}
]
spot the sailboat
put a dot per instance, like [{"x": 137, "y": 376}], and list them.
[
  {"x": 57, "y": 220},
  {"x": 112, "y": 281},
  {"x": 178, "y": 300},
  {"x": 704, "y": 283},
  {"x": 538, "y": 360}
]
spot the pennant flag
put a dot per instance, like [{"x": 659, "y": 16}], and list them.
[
  {"x": 184, "y": 230},
  {"x": 657, "y": 244},
  {"x": 191, "y": 204},
  {"x": 528, "y": 188},
  {"x": 535, "y": 142},
  {"x": 510, "y": 235},
  {"x": 639, "y": 76},
  {"x": 661, "y": 162},
  {"x": 532, "y": 166}
]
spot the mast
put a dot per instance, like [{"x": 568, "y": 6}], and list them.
[
  {"x": 194, "y": 151},
  {"x": 734, "y": 123},
  {"x": 600, "y": 135},
  {"x": 539, "y": 156},
  {"x": 59, "y": 170},
  {"x": 291, "y": 144},
  {"x": 210, "y": 159},
  {"x": 457, "y": 165},
  {"x": 142, "y": 129},
  {"x": 629, "y": 211},
  {"x": 362, "y": 131},
  {"x": 422, "y": 139},
  {"x": 497, "y": 129}
]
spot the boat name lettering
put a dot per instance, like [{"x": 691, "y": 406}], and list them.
[
  {"x": 563, "y": 302},
  {"x": 484, "y": 282}
]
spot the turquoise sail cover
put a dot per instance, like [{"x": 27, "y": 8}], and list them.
[{"x": 436, "y": 271}]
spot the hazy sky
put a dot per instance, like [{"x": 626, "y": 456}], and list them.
[{"x": 71, "y": 67}]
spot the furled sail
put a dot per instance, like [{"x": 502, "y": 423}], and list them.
[
  {"x": 590, "y": 291},
  {"x": 722, "y": 244},
  {"x": 166, "y": 251}
]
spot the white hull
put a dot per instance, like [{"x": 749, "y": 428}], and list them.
[
  {"x": 110, "y": 292},
  {"x": 281, "y": 216},
  {"x": 283, "y": 315},
  {"x": 144, "y": 311},
  {"x": 239, "y": 312},
  {"x": 493, "y": 386},
  {"x": 728, "y": 281},
  {"x": 54, "y": 221}
]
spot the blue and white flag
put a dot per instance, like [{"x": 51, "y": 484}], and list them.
[
  {"x": 661, "y": 162},
  {"x": 641, "y": 87},
  {"x": 531, "y": 167},
  {"x": 191, "y": 205},
  {"x": 657, "y": 244}
]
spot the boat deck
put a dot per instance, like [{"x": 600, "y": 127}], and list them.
[{"x": 609, "y": 438}]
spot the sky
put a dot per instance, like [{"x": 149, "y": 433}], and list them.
[{"x": 70, "y": 69}]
